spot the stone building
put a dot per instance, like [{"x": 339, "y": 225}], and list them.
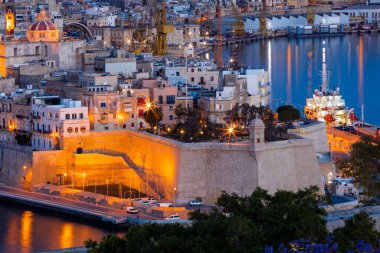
[
  {"x": 43, "y": 45},
  {"x": 55, "y": 119}
]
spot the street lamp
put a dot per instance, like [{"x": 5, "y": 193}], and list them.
[
  {"x": 84, "y": 175},
  {"x": 174, "y": 190}
]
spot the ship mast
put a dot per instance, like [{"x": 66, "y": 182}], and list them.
[{"x": 324, "y": 69}]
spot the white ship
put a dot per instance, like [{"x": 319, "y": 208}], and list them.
[{"x": 328, "y": 105}]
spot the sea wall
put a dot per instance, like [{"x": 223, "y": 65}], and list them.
[{"x": 15, "y": 165}]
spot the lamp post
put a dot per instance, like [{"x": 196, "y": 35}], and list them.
[
  {"x": 174, "y": 190},
  {"x": 84, "y": 175}
]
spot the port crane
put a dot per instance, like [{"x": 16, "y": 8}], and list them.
[{"x": 238, "y": 32}]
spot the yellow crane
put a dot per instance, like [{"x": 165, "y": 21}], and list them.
[
  {"x": 263, "y": 18},
  {"x": 311, "y": 12},
  {"x": 160, "y": 43}
]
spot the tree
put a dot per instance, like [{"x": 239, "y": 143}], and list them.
[
  {"x": 287, "y": 113},
  {"x": 363, "y": 165},
  {"x": 153, "y": 116},
  {"x": 361, "y": 227}
]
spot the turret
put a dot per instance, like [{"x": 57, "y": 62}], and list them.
[{"x": 256, "y": 132}]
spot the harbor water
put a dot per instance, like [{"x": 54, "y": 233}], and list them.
[
  {"x": 25, "y": 230},
  {"x": 295, "y": 66}
]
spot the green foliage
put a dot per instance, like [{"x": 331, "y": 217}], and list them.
[
  {"x": 283, "y": 217},
  {"x": 256, "y": 221},
  {"x": 191, "y": 125},
  {"x": 287, "y": 113},
  {"x": 361, "y": 227},
  {"x": 153, "y": 116},
  {"x": 364, "y": 165}
]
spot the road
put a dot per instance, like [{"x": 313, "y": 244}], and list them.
[{"x": 72, "y": 206}]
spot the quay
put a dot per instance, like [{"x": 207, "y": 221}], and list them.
[{"x": 80, "y": 209}]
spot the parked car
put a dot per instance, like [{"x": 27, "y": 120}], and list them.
[
  {"x": 173, "y": 217},
  {"x": 137, "y": 200},
  {"x": 152, "y": 200},
  {"x": 195, "y": 203},
  {"x": 145, "y": 202},
  {"x": 132, "y": 210},
  {"x": 165, "y": 204}
]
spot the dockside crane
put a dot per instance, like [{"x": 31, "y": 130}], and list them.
[
  {"x": 311, "y": 12},
  {"x": 160, "y": 42},
  {"x": 238, "y": 32},
  {"x": 263, "y": 18}
]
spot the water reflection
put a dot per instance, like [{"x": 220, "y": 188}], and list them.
[
  {"x": 66, "y": 236},
  {"x": 289, "y": 75},
  {"x": 355, "y": 73},
  {"x": 26, "y": 231},
  {"x": 360, "y": 71}
]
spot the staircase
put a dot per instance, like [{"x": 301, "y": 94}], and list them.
[{"x": 139, "y": 170}]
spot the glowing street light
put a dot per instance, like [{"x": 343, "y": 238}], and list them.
[
  {"x": 174, "y": 190},
  {"x": 230, "y": 131},
  {"x": 148, "y": 105},
  {"x": 84, "y": 175}
]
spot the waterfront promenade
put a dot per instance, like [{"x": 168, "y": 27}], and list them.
[{"x": 76, "y": 208}]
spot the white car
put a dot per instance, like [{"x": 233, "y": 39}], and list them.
[
  {"x": 132, "y": 210},
  {"x": 165, "y": 204},
  {"x": 152, "y": 200},
  {"x": 195, "y": 203},
  {"x": 173, "y": 217}
]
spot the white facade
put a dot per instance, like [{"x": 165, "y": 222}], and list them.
[
  {"x": 53, "y": 123},
  {"x": 370, "y": 13},
  {"x": 101, "y": 21}
]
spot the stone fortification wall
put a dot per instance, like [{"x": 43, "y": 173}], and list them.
[
  {"x": 12, "y": 161},
  {"x": 194, "y": 169},
  {"x": 289, "y": 165},
  {"x": 315, "y": 131},
  {"x": 207, "y": 169}
]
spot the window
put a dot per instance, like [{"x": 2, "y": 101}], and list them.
[
  {"x": 15, "y": 51},
  {"x": 56, "y": 115},
  {"x": 258, "y": 140},
  {"x": 141, "y": 112},
  {"x": 83, "y": 129},
  {"x": 192, "y": 79},
  {"x": 192, "y": 70},
  {"x": 37, "y": 50},
  {"x": 140, "y": 101},
  {"x": 177, "y": 73},
  {"x": 81, "y": 115},
  {"x": 67, "y": 116},
  {"x": 170, "y": 99},
  {"x": 46, "y": 51},
  {"x": 103, "y": 105},
  {"x": 170, "y": 117},
  {"x": 74, "y": 116},
  {"x": 170, "y": 108},
  {"x": 211, "y": 78},
  {"x": 76, "y": 130},
  {"x": 160, "y": 100},
  {"x": 69, "y": 130}
]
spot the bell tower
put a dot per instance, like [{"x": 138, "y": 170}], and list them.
[{"x": 10, "y": 21}]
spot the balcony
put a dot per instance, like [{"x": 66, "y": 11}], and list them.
[{"x": 36, "y": 117}]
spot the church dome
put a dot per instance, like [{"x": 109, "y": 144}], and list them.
[
  {"x": 43, "y": 30},
  {"x": 43, "y": 26}
]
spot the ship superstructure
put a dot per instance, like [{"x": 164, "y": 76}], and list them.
[{"x": 327, "y": 104}]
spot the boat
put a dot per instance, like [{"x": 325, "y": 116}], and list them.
[{"x": 327, "y": 104}]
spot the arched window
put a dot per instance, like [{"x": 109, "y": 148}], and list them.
[
  {"x": 76, "y": 130},
  {"x": 69, "y": 130},
  {"x": 46, "y": 50},
  {"x": 83, "y": 129}
]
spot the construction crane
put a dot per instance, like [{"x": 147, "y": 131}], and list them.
[
  {"x": 311, "y": 12},
  {"x": 238, "y": 31},
  {"x": 263, "y": 19},
  {"x": 160, "y": 43}
]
